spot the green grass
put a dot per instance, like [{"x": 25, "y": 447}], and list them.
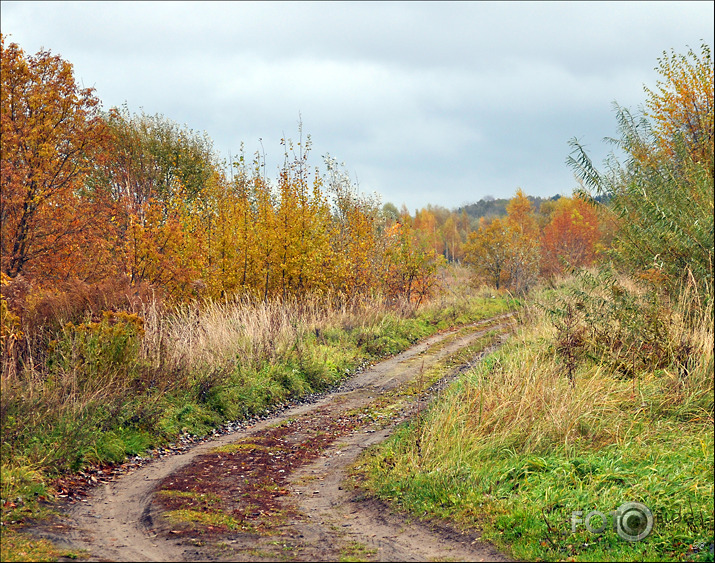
[
  {"x": 356, "y": 551},
  {"x": 17, "y": 546},
  {"x": 525, "y": 504},
  {"x": 205, "y": 519}
]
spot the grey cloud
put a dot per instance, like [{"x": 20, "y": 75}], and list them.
[{"x": 426, "y": 102}]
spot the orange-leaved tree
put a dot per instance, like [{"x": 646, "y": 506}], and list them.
[
  {"x": 303, "y": 225},
  {"x": 52, "y": 133},
  {"x": 358, "y": 250},
  {"x": 571, "y": 237},
  {"x": 411, "y": 271},
  {"x": 166, "y": 189},
  {"x": 488, "y": 251},
  {"x": 524, "y": 242}
]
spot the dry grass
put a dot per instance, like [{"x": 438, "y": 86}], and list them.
[
  {"x": 520, "y": 399},
  {"x": 251, "y": 332}
]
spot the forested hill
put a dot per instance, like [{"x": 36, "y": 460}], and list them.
[{"x": 491, "y": 207}]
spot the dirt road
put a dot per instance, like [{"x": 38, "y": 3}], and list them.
[{"x": 279, "y": 490}]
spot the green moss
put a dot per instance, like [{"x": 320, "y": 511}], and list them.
[{"x": 205, "y": 519}]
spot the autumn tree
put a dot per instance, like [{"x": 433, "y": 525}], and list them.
[
  {"x": 157, "y": 249},
  {"x": 166, "y": 188},
  {"x": 265, "y": 234},
  {"x": 488, "y": 251},
  {"x": 505, "y": 251},
  {"x": 681, "y": 106},
  {"x": 358, "y": 249},
  {"x": 52, "y": 134},
  {"x": 452, "y": 237},
  {"x": 411, "y": 264},
  {"x": 234, "y": 266},
  {"x": 302, "y": 223},
  {"x": 524, "y": 242},
  {"x": 425, "y": 221},
  {"x": 570, "y": 237}
]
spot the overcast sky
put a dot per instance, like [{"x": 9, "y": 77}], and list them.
[{"x": 425, "y": 102}]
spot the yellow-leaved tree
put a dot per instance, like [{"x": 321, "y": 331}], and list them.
[
  {"x": 505, "y": 251},
  {"x": 358, "y": 249}
]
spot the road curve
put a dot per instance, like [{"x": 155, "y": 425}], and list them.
[{"x": 326, "y": 520}]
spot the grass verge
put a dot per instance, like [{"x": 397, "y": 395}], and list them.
[{"x": 538, "y": 450}]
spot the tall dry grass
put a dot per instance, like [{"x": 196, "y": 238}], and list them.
[
  {"x": 520, "y": 400},
  {"x": 247, "y": 331},
  {"x": 250, "y": 331},
  {"x": 90, "y": 371}
]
